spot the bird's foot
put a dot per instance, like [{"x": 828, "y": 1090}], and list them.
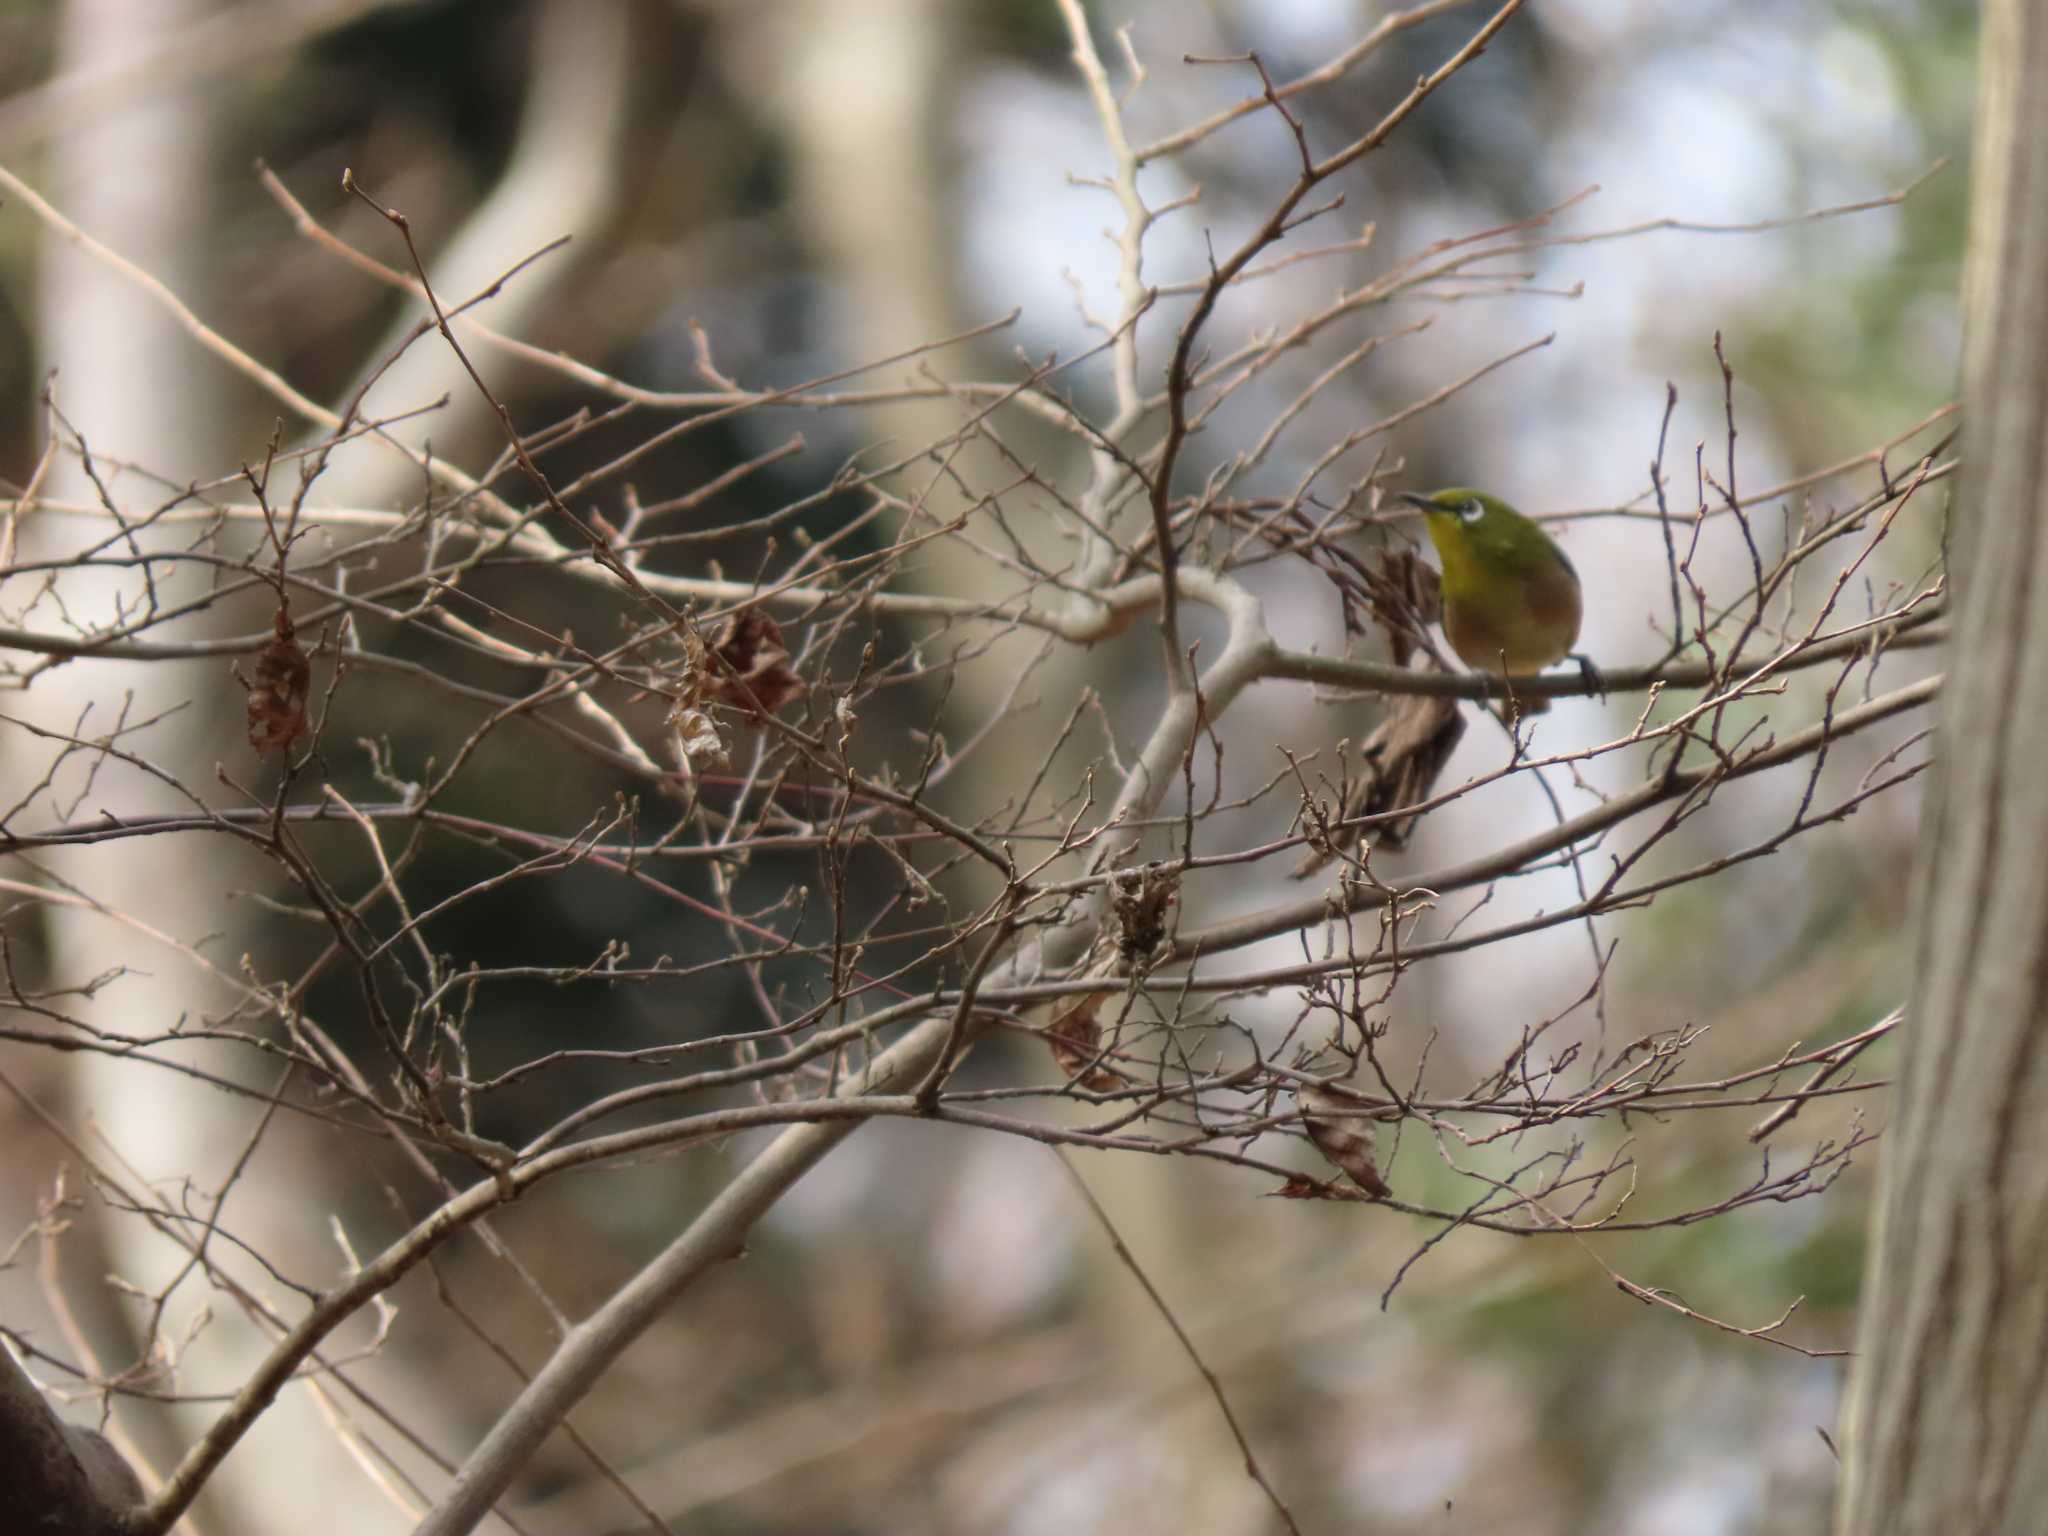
[{"x": 1590, "y": 674}]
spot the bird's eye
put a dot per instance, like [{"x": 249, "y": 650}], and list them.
[{"x": 1473, "y": 510}]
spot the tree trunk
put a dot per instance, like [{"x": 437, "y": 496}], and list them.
[{"x": 1946, "y": 1429}]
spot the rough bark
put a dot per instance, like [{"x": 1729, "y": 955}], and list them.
[{"x": 1947, "y": 1428}]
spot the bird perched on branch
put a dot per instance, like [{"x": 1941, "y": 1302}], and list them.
[{"x": 1511, "y": 599}]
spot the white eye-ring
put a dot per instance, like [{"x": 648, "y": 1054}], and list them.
[{"x": 1472, "y": 510}]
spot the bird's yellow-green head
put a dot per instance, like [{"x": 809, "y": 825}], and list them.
[{"x": 1511, "y": 598}]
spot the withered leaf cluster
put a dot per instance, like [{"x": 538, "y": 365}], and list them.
[
  {"x": 1406, "y": 597},
  {"x": 1140, "y": 900},
  {"x": 1399, "y": 764},
  {"x": 1400, "y": 761},
  {"x": 279, "y": 685}
]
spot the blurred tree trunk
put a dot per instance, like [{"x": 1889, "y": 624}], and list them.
[
  {"x": 126, "y": 378},
  {"x": 861, "y": 94},
  {"x": 146, "y": 402},
  {"x": 563, "y": 179},
  {"x": 1946, "y": 1429}
]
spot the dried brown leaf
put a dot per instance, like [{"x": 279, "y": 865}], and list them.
[
  {"x": 1074, "y": 1033},
  {"x": 750, "y": 668},
  {"x": 1337, "y": 1126},
  {"x": 1300, "y": 1186}
]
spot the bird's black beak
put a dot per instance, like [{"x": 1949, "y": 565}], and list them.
[{"x": 1422, "y": 503}]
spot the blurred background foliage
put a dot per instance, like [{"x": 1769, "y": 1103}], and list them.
[{"x": 932, "y": 1335}]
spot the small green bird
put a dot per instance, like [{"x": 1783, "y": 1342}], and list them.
[{"x": 1511, "y": 599}]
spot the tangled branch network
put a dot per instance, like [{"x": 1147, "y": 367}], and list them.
[{"x": 858, "y": 747}]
